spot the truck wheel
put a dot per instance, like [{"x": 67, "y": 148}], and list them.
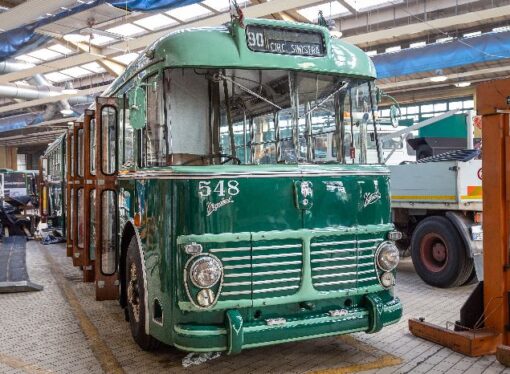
[
  {"x": 438, "y": 253},
  {"x": 135, "y": 292}
]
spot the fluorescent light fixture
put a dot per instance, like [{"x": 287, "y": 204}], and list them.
[
  {"x": 393, "y": 49},
  {"x": 155, "y": 22},
  {"x": 188, "y": 12},
  {"x": 127, "y": 29},
  {"x": 371, "y": 53},
  {"x": 56, "y": 77},
  {"x": 221, "y": 5},
  {"x": 438, "y": 78},
  {"x": 93, "y": 67},
  {"x": 444, "y": 40},
  {"x": 61, "y": 49},
  {"x": 67, "y": 112},
  {"x": 362, "y": 5},
  {"x": 332, "y": 9},
  {"x": 76, "y": 72},
  {"x": 417, "y": 44},
  {"x": 100, "y": 39},
  {"x": 127, "y": 58},
  {"x": 501, "y": 29},
  {"x": 45, "y": 54},
  {"x": 28, "y": 59},
  {"x": 472, "y": 34},
  {"x": 463, "y": 84}
]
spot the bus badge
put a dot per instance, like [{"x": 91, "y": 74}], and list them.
[
  {"x": 371, "y": 197},
  {"x": 213, "y": 207}
]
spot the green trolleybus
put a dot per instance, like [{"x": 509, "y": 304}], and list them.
[{"x": 196, "y": 194}]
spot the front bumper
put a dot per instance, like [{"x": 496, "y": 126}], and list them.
[{"x": 237, "y": 334}]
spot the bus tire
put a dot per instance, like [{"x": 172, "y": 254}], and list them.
[
  {"x": 438, "y": 253},
  {"x": 135, "y": 292}
]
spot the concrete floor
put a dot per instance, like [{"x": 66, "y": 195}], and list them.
[{"x": 62, "y": 329}]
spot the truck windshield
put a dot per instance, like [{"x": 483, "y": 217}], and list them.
[{"x": 264, "y": 117}]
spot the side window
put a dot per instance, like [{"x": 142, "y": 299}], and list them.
[
  {"x": 92, "y": 146},
  {"x": 108, "y": 140},
  {"x": 154, "y": 133},
  {"x": 127, "y": 133}
]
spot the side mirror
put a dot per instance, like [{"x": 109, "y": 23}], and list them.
[
  {"x": 136, "y": 108},
  {"x": 394, "y": 115}
]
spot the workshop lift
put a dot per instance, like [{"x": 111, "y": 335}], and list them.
[{"x": 484, "y": 325}]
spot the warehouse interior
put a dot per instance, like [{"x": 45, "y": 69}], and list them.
[{"x": 264, "y": 186}]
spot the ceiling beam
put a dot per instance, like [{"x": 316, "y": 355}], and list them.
[
  {"x": 412, "y": 30},
  {"x": 51, "y": 99}
]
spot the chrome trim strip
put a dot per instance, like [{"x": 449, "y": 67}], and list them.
[
  {"x": 336, "y": 282},
  {"x": 276, "y": 289},
  {"x": 367, "y": 279},
  {"x": 264, "y": 247},
  {"x": 321, "y": 244},
  {"x": 341, "y": 258},
  {"x": 277, "y": 263},
  {"x": 239, "y": 275},
  {"x": 269, "y": 281},
  {"x": 241, "y": 266},
  {"x": 238, "y": 249},
  {"x": 238, "y": 258},
  {"x": 277, "y": 255},
  {"x": 334, "y": 251},
  {"x": 233, "y": 293},
  {"x": 343, "y": 274},
  {"x": 334, "y": 267},
  {"x": 274, "y": 272},
  {"x": 370, "y": 240}
]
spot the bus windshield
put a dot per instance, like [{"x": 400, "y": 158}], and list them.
[{"x": 218, "y": 116}]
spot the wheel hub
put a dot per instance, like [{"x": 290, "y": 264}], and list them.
[{"x": 433, "y": 252}]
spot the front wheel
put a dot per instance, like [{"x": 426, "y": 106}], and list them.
[
  {"x": 135, "y": 292},
  {"x": 439, "y": 255}
]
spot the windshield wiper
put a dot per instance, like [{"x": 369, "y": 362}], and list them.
[{"x": 246, "y": 89}]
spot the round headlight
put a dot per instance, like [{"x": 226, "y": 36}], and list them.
[
  {"x": 205, "y": 297},
  {"x": 205, "y": 272},
  {"x": 387, "y": 256},
  {"x": 387, "y": 279}
]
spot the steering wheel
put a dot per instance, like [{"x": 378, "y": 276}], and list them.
[{"x": 210, "y": 157}]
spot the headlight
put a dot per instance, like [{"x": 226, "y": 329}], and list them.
[
  {"x": 205, "y": 272},
  {"x": 387, "y": 256}
]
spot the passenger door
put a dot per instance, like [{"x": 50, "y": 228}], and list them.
[
  {"x": 70, "y": 159},
  {"x": 77, "y": 198},
  {"x": 106, "y": 201}
]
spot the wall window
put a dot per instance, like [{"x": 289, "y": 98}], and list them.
[{"x": 154, "y": 143}]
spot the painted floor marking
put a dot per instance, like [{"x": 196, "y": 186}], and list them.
[
  {"x": 102, "y": 352},
  {"x": 382, "y": 359}
]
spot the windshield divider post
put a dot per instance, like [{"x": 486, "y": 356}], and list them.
[
  {"x": 276, "y": 121},
  {"x": 340, "y": 129},
  {"x": 294, "y": 102},
  {"x": 229, "y": 118},
  {"x": 352, "y": 150},
  {"x": 376, "y": 134},
  {"x": 308, "y": 134},
  {"x": 245, "y": 153},
  {"x": 252, "y": 139}
]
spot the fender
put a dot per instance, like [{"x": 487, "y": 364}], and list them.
[
  {"x": 131, "y": 223},
  {"x": 474, "y": 248}
]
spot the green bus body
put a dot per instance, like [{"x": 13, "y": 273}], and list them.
[{"x": 297, "y": 242}]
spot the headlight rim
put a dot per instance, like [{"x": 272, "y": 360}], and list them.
[
  {"x": 378, "y": 252},
  {"x": 194, "y": 260}
]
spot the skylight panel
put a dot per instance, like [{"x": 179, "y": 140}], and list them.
[
  {"x": 127, "y": 29},
  {"x": 362, "y": 5},
  {"x": 76, "y": 72},
  {"x": 501, "y": 29},
  {"x": 127, "y": 58},
  {"x": 332, "y": 9},
  {"x": 188, "y": 12},
  {"x": 472, "y": 34},
  {"x": 221, "y": 5},
  {"x": 371, "y": 53},
  {"x": 155, "y": 22},
  {"x": 417, "y": 44},
  {"x": 61, "y": 49},
  {"x": 45, "y": 54},
  {"x": 444, "y": 40},
  {"x": 94, "y": 67},
  {"x": 57, "y": 77},
  {"x": 393, "y": 49},
  {"x": 28, "y": 59},
  {"x": 100, "y": 39}
]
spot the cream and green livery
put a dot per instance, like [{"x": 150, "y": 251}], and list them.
[{"x": 213, "y": 216}]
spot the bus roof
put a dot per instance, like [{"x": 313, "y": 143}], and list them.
[{"x": 226, "y": 47}]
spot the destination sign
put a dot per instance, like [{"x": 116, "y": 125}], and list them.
[{"x": 285, "y": 41}]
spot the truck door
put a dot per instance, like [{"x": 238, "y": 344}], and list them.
[
  {"x": 106, "y": 209},
  {"x": 88, "y": 195}
]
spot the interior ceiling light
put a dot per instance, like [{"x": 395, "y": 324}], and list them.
[
  {"x": 127, "y": 29},
  {"x": 76, "y": 38},
  {"x": 463, "y": 84},
  {"x": 362, "y": 5},
  {"x": 155, "y": 22},
  {"x": 188, "y": 12},
  {"x": 331, "y": 9}
]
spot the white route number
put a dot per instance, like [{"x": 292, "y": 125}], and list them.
[
  {"x": 255, "y": 39},
  {"x": 222, "y": 188}
]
